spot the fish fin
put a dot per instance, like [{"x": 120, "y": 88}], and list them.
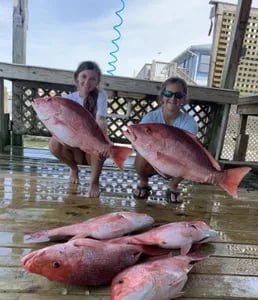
[
  {"x": 185, "y": 249},
  {"x": 195, "y": 256},
  {"x": 82, "y": 242},
  {"x": 119, "y": 155},
  {"x": 232, "y": 179},
  {"x": 179, "y": 294},
  {"x": 37, "y": 236},
  {"x": 181, "y": 277},
  {"x": 212, "y": 160}
]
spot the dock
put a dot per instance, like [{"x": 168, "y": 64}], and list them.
[{"x": 35, "y": 194}]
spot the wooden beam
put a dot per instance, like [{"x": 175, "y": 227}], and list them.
[
  {"x": 248, "y": 109},
  {"x": 232, "y": 61},
  {"x": 113, "y": 83},
  {"x": 241, "y": 140},
  {"x": 4, "y": 120},
  {"x": 20, "y": 21},
  {"x": 252, "y": 99}
]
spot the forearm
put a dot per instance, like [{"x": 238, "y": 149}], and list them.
[{"x": 102, "y": 122}]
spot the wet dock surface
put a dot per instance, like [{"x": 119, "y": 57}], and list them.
[{"x": 35, "y": 194}]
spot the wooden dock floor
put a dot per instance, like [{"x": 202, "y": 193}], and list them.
[{"x": 35, "y": 194}]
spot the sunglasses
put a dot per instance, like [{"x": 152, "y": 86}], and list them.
[{"x": 169, "y": 94}]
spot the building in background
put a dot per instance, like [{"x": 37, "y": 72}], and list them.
[
  {"x": 246, "y": 81},
  {"x": 195, "y": 62},
  {"x": 192, "y": 64}
]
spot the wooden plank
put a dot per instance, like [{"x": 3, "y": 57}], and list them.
[
  {"x": 33, "y": 296},
  {"x": 115, "y": 83},
  {"x": 29, "y": 194},
  {"x": 248, "y": 109},
  {"x": 2, "y": 120}
]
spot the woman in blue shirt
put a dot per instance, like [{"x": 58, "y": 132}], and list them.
[{"x": 172, "y": 97}]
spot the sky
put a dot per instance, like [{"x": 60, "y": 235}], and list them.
[{"x": 62, "y": 33}]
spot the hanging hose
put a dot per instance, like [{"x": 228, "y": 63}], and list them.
[{"x": 112, "y": 63}]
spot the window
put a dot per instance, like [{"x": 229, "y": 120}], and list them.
[{"x": 204, "y": 63}]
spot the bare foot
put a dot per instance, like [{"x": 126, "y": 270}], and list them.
[
  {"x": 93, "y": 191},
  {"x": 74, "y": 176}
]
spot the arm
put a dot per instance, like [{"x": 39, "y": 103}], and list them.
[
  {"x": 102, "y": 122},
  {"x": 102, "y": 111}
]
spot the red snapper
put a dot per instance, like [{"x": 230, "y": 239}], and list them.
[
  {"x": 160, "y": 279},
  {"x": 106, "y": 226},
  {"x": 72, "y": 125},
  {"x": 84, "y": 261},
  {"x": 175, "y": 152},
  {"x": 177, "y": 235}
]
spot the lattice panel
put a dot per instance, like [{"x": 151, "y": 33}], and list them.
[
  {"x": 204, "y": 115},
  {"x": 25, "y": 120},
  {"x": 122, "y": 111},
  {"x": 252, "y": 131},
  {"x": 231, "y": 134}
]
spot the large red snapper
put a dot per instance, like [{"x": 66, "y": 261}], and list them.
[
  {"x": 72, "y": 125},
  {"x": 177, "y": 235},
  {"x": 106, "y": 226},
  {"x": 175, "y": 152},
  {"x": 84, "y": 261},
  {"x": 160, "y": 279}
]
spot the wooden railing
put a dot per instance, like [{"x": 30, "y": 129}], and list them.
[
  {"x": 247, "y": 136},
  {"x": 129, "y": 99}
]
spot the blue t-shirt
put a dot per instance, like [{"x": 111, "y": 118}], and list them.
[{"x": 183, "y": 120}]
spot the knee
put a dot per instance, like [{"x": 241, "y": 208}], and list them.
[
  {"x": 142, "y": 167},
  {"x": 54, "y": 147}
]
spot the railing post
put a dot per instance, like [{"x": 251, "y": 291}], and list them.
[{"x": 4, "y": 121}]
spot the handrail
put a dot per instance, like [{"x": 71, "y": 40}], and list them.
[{"x": 117, "y": 83}]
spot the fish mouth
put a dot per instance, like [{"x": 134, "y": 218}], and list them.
[
  {"x": 211, "y": 235},
  {"x": 30, "y": 262},
  {"x": 27, "y": 261},
  {"x": 129, "y": 134}
]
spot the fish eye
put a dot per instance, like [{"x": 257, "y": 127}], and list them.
[
  {"x": 56, "y": 264},
  {"x": 120, "y": 281},
  {"x": 148, "y": 130}
]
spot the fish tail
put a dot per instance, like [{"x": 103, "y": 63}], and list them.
[
  {"x": 119, "y": 155},
  {"x": 232, "y": 178}
]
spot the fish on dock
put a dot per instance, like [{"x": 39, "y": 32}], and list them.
[
  {"x": 177, "y": 235},
  {"x": 71, "y": 124},
  {"x": 85, "y": 261},
  {"x": 173, "y": 152},
  {"x": 159, "y": 279},
  {"x": 101, "y": 227}
]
